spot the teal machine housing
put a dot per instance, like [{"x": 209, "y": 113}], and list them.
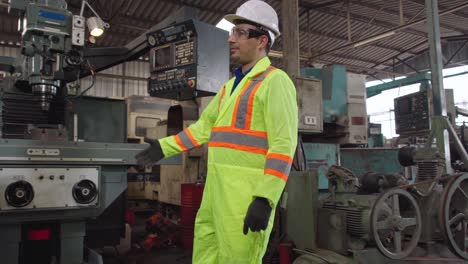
[
  {"x": 342, "y": 95},
  {"x": 333, "y": 90},
  {"x": 344, "y": 112}
]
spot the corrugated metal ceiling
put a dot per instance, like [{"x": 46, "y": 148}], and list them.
[{"x": 323, "y": 25}]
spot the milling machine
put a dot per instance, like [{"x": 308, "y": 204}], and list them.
[{"x": 55, "y": 172}]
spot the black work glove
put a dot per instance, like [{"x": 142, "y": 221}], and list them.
[
  {"x": 151, "y": 154},
  {"x": 257, "y": 216}
]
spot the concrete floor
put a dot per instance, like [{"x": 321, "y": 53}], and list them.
[
  {"x": 172, "y": 255},
  {"x": 166, "y": 256}
]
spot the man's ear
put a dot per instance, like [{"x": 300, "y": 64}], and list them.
[{"x": 264, "y": 41}]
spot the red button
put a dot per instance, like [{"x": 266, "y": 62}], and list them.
[{"x": 191, "y": 83}]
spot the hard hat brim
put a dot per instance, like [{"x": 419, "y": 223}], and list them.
[{"x": 233, "y": 17}]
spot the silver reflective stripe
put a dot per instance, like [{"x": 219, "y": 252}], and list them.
[
  {"x": 239, "y": 139},
  {"x": 278, "y": 165},
  {"x": 241, "y": 114},
  {"x": 186, "y": 140},
  {"x": 243, "y": 104}
]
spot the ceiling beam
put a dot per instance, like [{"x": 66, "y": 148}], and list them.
[
  {"x": 125, "y": 20},
  {"x": 335, "y": 37},
  {"x": 353, "y": 58},
  {"x": 365, "y": 19},
  {"x": 279, "y": 54},
  {"x": 393, "y": 30},
  {"x": 397, "y": 14},
  {"x": 407, "y": 51},
  {"x": 423, "y": 3},
  {"x": 457, "y": 51}
]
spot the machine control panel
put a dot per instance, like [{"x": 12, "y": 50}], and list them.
[
  {"x": 412, "y": 113},
  {"x": 182, "y": 67},
  {"x": 49, "y": 188},
  {"x": 172, "y": 61}
]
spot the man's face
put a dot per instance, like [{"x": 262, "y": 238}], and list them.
[{"x": 243, "y": 49}]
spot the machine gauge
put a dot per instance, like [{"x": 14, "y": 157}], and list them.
[{"x": 152, "y": 40}]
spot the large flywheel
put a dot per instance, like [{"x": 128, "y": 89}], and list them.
[
  {"x": 453, "y": 215},
  {"x": 396, "y": 223}
]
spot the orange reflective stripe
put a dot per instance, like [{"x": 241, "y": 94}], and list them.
[
  {"x": 185, "y": 140},
  {"x": 240, "y": 131},
  {"x": 238, "y": 147},
  {"x": 242, "y": 115},
  {"x": 278, "y": 174},
  {"x": 282, "y": 157},
  {"x": 190, "y": 136},
  {"x": 236, "y": 107},
  {"x": 179, "y": 142},
  {"x": 248, "y": 115},
  {"x": 250, "y": 105},
  {"x": 223, "y": 91},
  {"x": 278, "y": 164}
]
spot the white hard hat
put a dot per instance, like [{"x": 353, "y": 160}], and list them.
[{"x": 258, "y": 12}]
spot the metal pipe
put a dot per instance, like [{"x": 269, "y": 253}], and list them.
[
  {"x": 408, "y": 25},
  {"x": 75, "y": 127},
  {"x": 407, "y": 65},
  {"x": 456, "y": 74},
  {"x": 458, "y": 144},
  {"x": 461, "y": 111},
  {"x": 437, "y": 80},
  {"x": 402, "y": 18},
  {"x": 348, "y": 18}
]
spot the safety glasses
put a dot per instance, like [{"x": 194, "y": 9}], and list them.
[{"x": 245, "y": 33}]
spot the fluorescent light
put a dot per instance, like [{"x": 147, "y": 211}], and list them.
[
  {"x": 372, "y": 39},
  {"x": 224, "y": 24}
]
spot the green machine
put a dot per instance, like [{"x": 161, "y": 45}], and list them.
[
  {"x": 53, "y": 175},
  {"x": 64, "y": 158}
]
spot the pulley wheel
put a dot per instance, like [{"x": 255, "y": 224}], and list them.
[
  {"x": 396, "y": 223},
  {"x": 453, "y": 215}
]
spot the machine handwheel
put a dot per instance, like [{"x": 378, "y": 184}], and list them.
[
  {"x": 396, "y": 223},
  {"x": 19, "y": 194},
  {"x": 85, "y": 191},
  {"x": 453, "y": 215}
]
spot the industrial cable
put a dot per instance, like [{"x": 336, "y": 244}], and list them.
[
  {"x": 300, "y": 160},
  {"x": 93, "y": 81}
]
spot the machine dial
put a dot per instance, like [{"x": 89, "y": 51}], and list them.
[
  {"x": 84, "y": 192},
  {"x": 152, "y": 40},
  {"x": 19, "y": 194}
]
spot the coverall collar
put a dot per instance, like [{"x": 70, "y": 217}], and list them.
[{"x": 260, "y": 67}]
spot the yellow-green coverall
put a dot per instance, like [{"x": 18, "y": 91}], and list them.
[{"x": 251, "y": 135}]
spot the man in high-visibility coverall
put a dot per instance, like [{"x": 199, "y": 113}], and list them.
[{"x": 251, "y": 130}]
